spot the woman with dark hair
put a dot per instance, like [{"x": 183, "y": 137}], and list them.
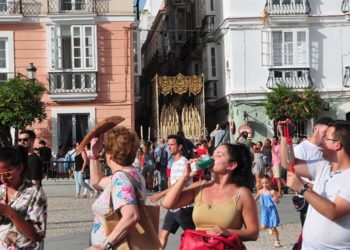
[
  {"x": 23, "y": 206},
  {"x": 223, "y": 205}
]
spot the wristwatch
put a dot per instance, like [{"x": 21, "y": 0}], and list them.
[
  {"x": 108, "y": 245},
  {"x": 303, "y": 189}
]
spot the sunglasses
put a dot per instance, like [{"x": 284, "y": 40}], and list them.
[
  {"x": 7, "y": 175},
  {"x": 22, "y": 139}
]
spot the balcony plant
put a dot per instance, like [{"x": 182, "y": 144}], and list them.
[
  {"x": 283, "y": 103},
  {"x": 20, "y": 105}
]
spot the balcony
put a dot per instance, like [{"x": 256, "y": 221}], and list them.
[
  {"x": 10, "y": 7},
  {"x": 72, "y": 86},
  {"x": 287, "y": 7},
  {"x": 211, "y": 91},
  {"x": 208, "y": 25},
  {"x": 294, "y": 78},
  {"x": 346, "y": 80},
  {"x": 62, "y": 7},
  {"x": 11, "y": 11},
  {"x": 189, "y": 46}
]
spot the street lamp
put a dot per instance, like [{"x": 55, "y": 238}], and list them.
[{"x": 31, "y": 71}]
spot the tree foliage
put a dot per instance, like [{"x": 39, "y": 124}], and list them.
[
  {"x": 283, "y": 103},
  {"x": 20, "y": 103}
]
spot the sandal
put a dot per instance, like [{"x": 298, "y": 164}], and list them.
[{"x": 277, "y": 244}]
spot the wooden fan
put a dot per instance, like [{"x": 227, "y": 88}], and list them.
[{"x": 100, "y": 128}]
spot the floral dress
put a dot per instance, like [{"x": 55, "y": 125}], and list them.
[
  {"x": 123, "y": 194},
  {"x": 30, "y": 203}
]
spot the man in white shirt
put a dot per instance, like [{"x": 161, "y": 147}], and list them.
[
  {"x": 181, "y": 217},
  {"x": 327, "y": 225},
  {"x": 309, "y": 151}
]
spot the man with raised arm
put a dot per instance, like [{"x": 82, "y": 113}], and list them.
[{"x": 327, "y": 224}]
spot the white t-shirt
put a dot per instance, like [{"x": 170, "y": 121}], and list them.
[
  {"x": 177, "y": 170},
  {"x": 320, "y": 232},
  {"x": 307, "y": 151}
]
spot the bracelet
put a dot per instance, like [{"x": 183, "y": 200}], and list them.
[
  {"x": 108, "y": 245},
  {"x": 93, "y": 157},
  {"x": 303, "y": 189}
]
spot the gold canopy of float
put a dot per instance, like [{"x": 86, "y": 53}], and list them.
[{"x": 178, "y": 105}]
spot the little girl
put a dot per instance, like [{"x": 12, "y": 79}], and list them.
[{"x": 269, "y": 215}]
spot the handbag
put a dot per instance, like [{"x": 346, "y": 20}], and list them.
[
  {"x": 200, "y": 240},
  {"x": 299, "y": 202},
  {"x": 143, "y": 235}
]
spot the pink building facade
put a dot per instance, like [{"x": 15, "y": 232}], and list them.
[{"x": 83, "y": 53}]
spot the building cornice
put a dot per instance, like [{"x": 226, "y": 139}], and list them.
[
  {"x": 257, "y": 22},
  {"x": 93, "y": 18},
  {"x": 260, "y": 95}
]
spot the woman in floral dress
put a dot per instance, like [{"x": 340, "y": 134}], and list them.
[{"x": 121, "y": 146}]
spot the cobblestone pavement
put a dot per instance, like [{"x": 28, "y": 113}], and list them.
[{"x": 70, "y": 221}]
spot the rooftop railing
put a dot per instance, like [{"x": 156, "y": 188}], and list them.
[{"x": 288, "y": 7}]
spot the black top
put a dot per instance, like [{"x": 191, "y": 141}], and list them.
[
  {"x": 45, "y": 153},
  {"x": 78, "y": 162},
  {"x": 35, "y": 168}
]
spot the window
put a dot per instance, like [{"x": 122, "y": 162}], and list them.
[
  {"x": 210, "y": 62},
  {"x": 285, "y": 48},
  {"x": 72, "y": 128},
  {"x": 73, "y": 5},
  {"x": 3, "y": 5},
  {"x": 213, "y": 62},
  {"x": 180, "y": 24},
  {"x": 211, "y": 5},
  {"x": 6, "y": 55},
  {"x": 137, "y": 52},
  {"x": 72, "y": 47},
  {"x": 3, "y": 54}
]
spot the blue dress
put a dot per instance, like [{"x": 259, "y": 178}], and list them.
[{"x": 269, "y": 215}]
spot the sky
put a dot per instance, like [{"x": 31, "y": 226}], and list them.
[{"x": 142, "y": 3}]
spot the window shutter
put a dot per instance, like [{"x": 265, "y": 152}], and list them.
[
  {"x": 301, "y": 48},
  {"x": 266, "y": 48},
  {"x": 77, "y": 51},
  {"x": 89, "y": 47},
  {"x": 288, "y": 48},
  {"x": 277, "y": 48}
]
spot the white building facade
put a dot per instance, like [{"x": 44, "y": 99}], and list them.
[{"x": 300, "y": 43}]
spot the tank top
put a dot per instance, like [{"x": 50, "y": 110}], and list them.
[
  {"x": 78, "y": 161},
  {"x": 223, "y": 214}
]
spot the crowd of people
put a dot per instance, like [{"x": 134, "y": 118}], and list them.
[{"x": 216, "y": 202}]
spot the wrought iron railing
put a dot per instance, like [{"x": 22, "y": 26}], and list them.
[
  {"x": 208, "y": 24},
  {"x": 211, "y": 90},
  {"x": 10, "y": 7},
  {"x": 346, "y": 80},
  {"x": 295, "y": 78},
  {"x": 345, "y": 6},
  {"x": 73, "y": 6},
  {"x": 287, "y": 7},
  {"x": 72, "y": 82}
]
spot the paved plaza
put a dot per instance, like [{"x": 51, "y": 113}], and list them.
[{"x": 70, "y": 221}]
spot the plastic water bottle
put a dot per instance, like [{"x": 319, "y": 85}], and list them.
[{"x": 203, "y": 162}]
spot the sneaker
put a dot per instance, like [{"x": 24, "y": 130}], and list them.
[
  {"x": 84, "y": 196},
  {"x": 277, "y": 244},
  {"x": 76, "y": 197}
]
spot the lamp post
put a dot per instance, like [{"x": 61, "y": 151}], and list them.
[{"x": 31, "y": 71}]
